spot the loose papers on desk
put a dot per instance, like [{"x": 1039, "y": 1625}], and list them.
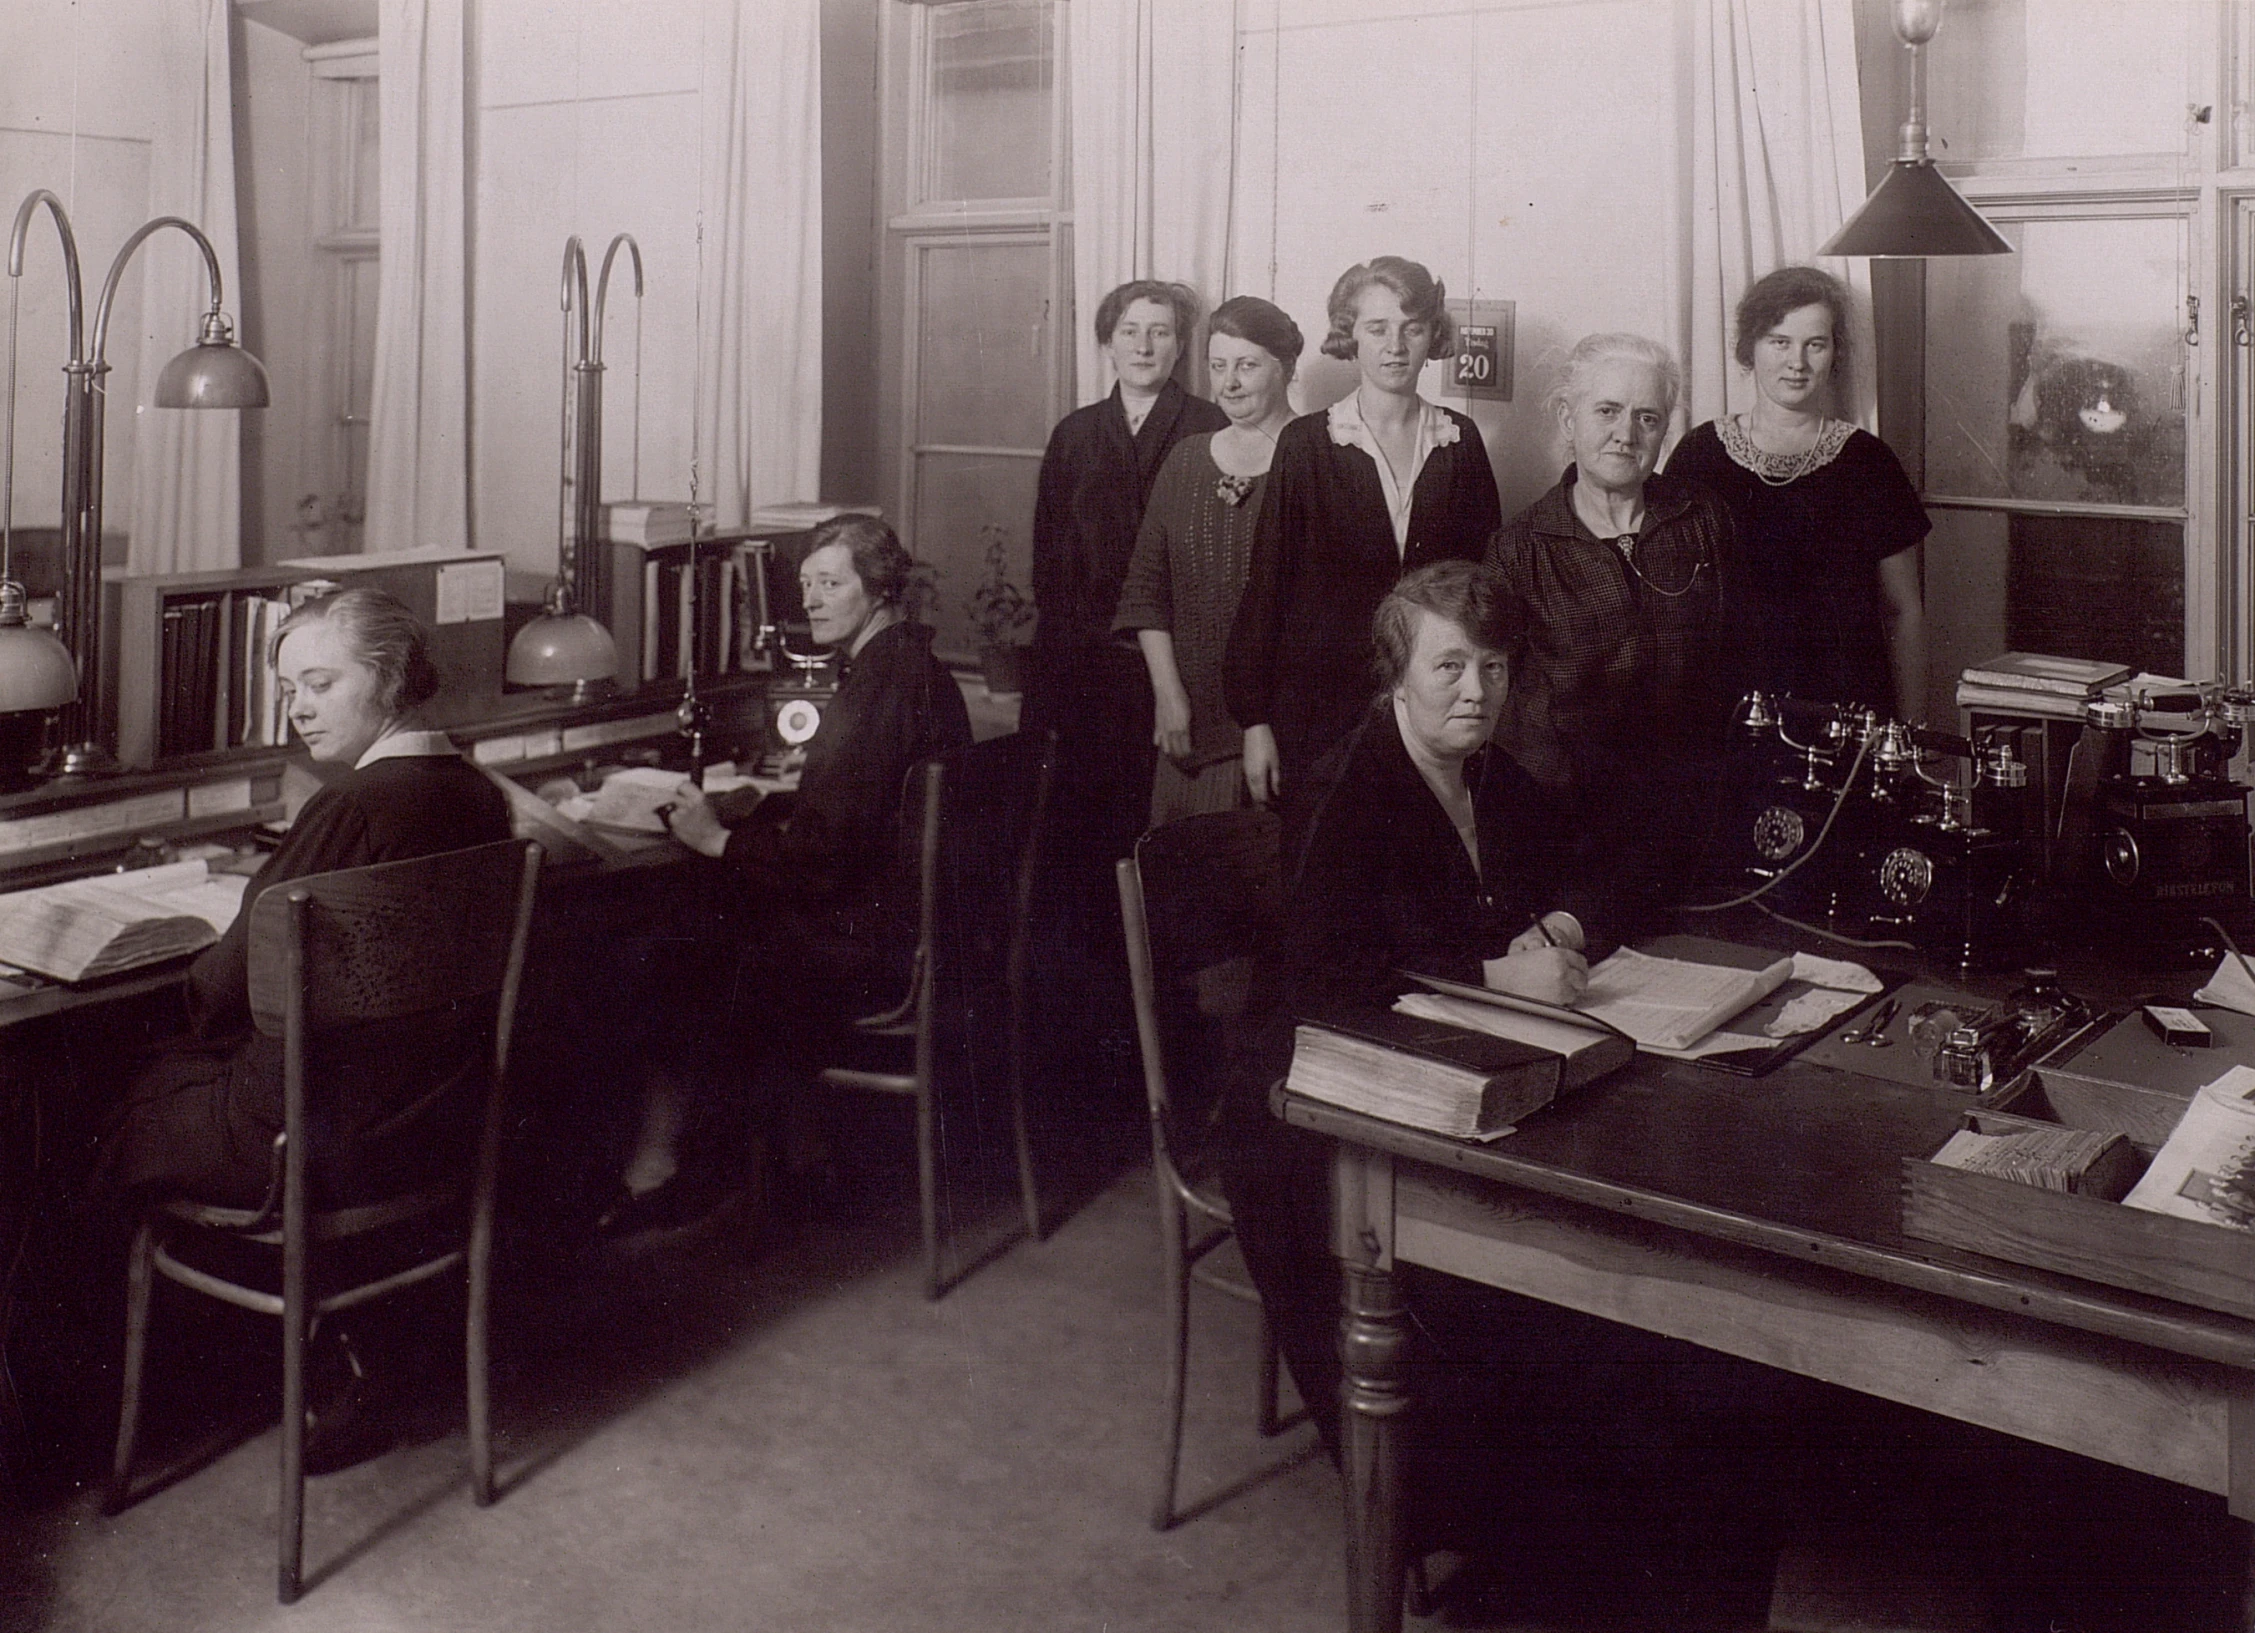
[
  {"x": 86, "y": 928},
  {"x": 633, "y": 799},
  {"x": 2206, "y": 1170}
]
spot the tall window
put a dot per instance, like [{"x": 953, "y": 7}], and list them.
[
  {"x": 332, "y": 450},
  {"x": 977, "y": 285},
  {"x": 2071, "y": 396}
]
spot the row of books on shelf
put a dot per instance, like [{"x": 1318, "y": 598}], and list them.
[
  {"x": 665, "y": 616},
  {"x": 218, "y": 690}
]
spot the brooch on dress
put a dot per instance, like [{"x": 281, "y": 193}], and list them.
[{"x": 1231, "y": 490}]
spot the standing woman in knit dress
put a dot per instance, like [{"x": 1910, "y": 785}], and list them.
[
  {"x": 1189, "y": 566},
  {"x": 1379, "y": 484},
  {"x": 1827, "y": 522}
]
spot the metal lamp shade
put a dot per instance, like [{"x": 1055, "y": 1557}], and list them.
[
  {"x": 1915, "y": 212},
  {"x": 562, "y": 649},
  {"x": 36, "y": 672},
  {"x": 213, "y": 374}
]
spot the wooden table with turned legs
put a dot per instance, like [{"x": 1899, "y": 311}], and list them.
[{"x": 1760, "y": 1218}]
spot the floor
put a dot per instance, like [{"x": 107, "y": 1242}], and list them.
[{"x": 752, "y": 1428}]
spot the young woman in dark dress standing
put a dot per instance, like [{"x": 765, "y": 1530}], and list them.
[{"x": 1827, "y": 522}]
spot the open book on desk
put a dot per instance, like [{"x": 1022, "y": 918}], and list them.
[
  {"x": 1673, "y": 998},
  {"x": 84, "y": 929}
]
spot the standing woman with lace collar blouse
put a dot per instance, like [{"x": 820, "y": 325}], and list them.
[
  {"x": 1377, "y": 485},
  {"x": 1827, "y": 522}
]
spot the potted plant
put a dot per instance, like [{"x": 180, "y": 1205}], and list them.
[{"x": 1000, "y": 612}]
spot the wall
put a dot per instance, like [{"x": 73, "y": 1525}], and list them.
[
  {"x": 587, "y": 123},
  {"x": 77, "y": 94},
  {"x": 273, "y": 211},
  {"x": 850, "y": 236},
  {"x": 1524, "y": 152}
]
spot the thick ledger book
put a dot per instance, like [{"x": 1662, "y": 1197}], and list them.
[
  {"x": 2019, "y": 700},
  {"x": 647, "y": 522},
  {"x": 84, "y": 929},
  {"x": 2037, "y": 672},
  {"x": 1426, "y": 1074}
]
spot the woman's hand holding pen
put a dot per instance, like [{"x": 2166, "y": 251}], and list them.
[
  {"x": 1544, "y": 962},
  {"x": 691, "y": 819}
]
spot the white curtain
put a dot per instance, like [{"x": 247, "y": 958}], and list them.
[
  {"x": 1153, "y": 97},
  {"x": 1776, "y": 165},
  {"x": 419, "y": 434},
  {"x": 186, "y": 510},
  {"x": 759, "y": 331}
]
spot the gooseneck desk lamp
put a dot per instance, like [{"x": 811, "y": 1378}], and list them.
[
  {"x": 1914, "y": 212},
  {"x": 213, "y": 373},
  {"x": 564, "y": 646}
]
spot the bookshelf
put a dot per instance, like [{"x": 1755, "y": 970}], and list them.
[
  {"x": 651, "y": 599},
  {"x": 191, "y": 671}
]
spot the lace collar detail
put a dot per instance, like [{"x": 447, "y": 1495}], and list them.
[
  {"x": 1436, "y": 428},
  {"x": 1780, "y": 469}
]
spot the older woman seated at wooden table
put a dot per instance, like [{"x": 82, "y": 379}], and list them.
[{"x": 1418, "y": 845}]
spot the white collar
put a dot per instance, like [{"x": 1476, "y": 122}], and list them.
[
  {"x": 1436, "y": 428},
  {"x": 401, "y": 745}
]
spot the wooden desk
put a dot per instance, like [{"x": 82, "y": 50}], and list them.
[{"x": 1759, "y": 1218}]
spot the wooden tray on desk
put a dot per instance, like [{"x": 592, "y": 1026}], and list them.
[{"x": 2212, "y": 1266}]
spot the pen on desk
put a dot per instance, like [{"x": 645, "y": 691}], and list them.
[{"x": 1543, "y": 930}]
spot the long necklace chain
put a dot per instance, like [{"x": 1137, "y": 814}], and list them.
[{"x": 1626, "y": 544}]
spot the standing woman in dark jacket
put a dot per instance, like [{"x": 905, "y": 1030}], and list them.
[
  {"x": 1377, "y": 485},
  {"x": 1096, "y": 479}
]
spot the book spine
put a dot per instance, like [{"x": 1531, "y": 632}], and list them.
[{"x": 2029, "y": 683}]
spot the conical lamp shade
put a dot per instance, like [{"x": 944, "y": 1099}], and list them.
[
  {"x": 1915, "y": 212},
  {"x": 36, "y": 672},
  {"x": 213, "y": 374},
  {"x": 561, "y": 649}
]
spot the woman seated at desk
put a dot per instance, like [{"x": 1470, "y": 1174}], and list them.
[
  {"x": 202, "y": 1113},
  {"x": 807, "y": 897},
  {"x": 1419, "y": 846}
]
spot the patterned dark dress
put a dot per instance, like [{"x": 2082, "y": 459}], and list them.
[{"x": 1186, "y": 576}]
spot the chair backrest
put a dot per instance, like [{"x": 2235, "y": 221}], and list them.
[
  {"x": 394, "y": 939},
  {"x": 439, "y": 934},
  {"x": 996, "y": 817},
  {"x": 1198, "y": 900}
]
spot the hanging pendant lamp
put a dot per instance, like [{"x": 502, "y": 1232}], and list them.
[{"x": 1914, "y": 212}]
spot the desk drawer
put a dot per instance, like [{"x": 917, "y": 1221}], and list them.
[{"x": 2212, "y": 1266}]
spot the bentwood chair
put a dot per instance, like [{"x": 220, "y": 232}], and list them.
[
  {"x": 436, "y": 937},
  {"x": 978, "y": 819},
  {"x": 1197, "y": 899}
]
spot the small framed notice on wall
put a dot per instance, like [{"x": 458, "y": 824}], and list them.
[{"x": 1482, "y": 364}]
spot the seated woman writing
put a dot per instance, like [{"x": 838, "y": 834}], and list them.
[
  {"x": 1419, "y": 846},
  {"x": 806, "y": 901}
]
